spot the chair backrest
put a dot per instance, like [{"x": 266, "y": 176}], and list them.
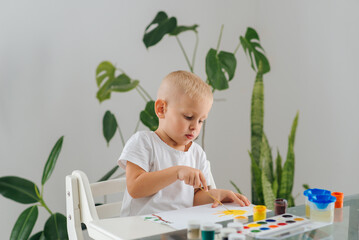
[{"x": 80, "y": 204}]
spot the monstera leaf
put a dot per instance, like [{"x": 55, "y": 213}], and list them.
[
  {"x": 253, "y": 49},
  {"x": 160, "y": 25},
  {"x": 105, "y": 74},
  {"x": 181, "y": 29},
  {"x": 148, "y": 116},
  {"x": 220, "y": 68}
]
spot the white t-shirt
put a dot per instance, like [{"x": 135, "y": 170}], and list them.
[{"x": 149, "y": 152}]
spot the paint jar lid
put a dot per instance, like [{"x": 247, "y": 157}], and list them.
[
  {"x": 194, "y": 224},
  {"x": 259, "y": 208},
  {"x": 236, "y": 236},
  {"x": 315, "y": 191},
  {"x": 218, "y": 227},
  {"x": 208, "y": 226},
  {"x": 242, "y": 219},
  {"x": 226, "y": 231},
  {"x": 339, "y": 196},
  {"x": 236, "y": 225},
  {"x": 322, "y": 201}
]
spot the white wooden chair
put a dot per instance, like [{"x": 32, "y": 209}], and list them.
[{"x": 80, "y": 204}]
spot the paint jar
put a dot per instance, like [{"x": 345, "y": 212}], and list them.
[
  {"x": 207, "y": 231},
  {"x": 322, "y": 208},
  {"x": 236, "y": 225},
  {"x": 226, "y": 231},
  {"x": 339, "y": 202},
  {"x": 193, "y": 229},
  {"x": 280, "y": 206},
  {"x": 236, "y": 236},
  {"x": 259, "y": 212},
  {"x": 217, "y": 231},
  {"x": 310, "y": 192},
  {"x": 241, "y": 219}
]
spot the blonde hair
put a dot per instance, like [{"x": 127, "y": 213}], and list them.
[{"x": 186, "y": 83}]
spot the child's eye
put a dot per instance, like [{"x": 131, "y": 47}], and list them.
[
  {"x": 187, "y": 117},
  {"x": 200, "y": 121}
]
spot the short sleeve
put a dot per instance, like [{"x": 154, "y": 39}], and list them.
[{"x": 137, "y": 150}]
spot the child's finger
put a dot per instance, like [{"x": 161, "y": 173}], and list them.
[
  {"x": 243, "y": 198},
  {"x": 215, "y": 204},
  {"x": 203, "y": 180},
  {"x": 236, "y": 199},
  {"x": 197, "y": 182}
]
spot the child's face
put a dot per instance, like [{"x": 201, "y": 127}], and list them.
[{"x": 183, "y": 120}]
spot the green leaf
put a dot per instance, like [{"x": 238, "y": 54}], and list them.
[
  {"x": 235, "y": 186},
  {"x": 18, "y": 189},
  {"x": 122, "y": 83},
  {"x": 268, "y": 195},
  {"x": 55, "y": 227},
  {"x": 306, "y": 186},
  {"x": 148, "y": 116},
  {"x": 266, "y": 163},
  {"x": 278, "y": 178},
  {"x": 109, "y": 174},
  {"x": 257, "y": 115},
  {"x": 181, "y": 29},
  {"x": 286, "y": 184},
  {"x": 252, "y": 47},
  {"x": 275, "y": 186},
  {"x": 38, "y": 236},
  {"x": 24, "y": 224},
  {"x": 257, "y": 193},
  {"x": 51, "y": 161},
  {"x": 220, "y": 68},
  {"x": 105, "y": 71},
  {"x": 291, "y": 202},
  {"x": 109, "y": 126},
  {"x": 164, "y": 25}
]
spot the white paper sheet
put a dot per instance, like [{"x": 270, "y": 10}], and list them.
[{"x": 178, "y": 219}]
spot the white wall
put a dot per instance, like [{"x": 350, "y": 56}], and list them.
[{"x": 49, "y": 52}]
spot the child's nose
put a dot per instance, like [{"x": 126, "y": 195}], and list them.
[{"x": 194, "y": 125}]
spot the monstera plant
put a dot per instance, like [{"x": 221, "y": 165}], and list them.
[
  {"x": 220, "y": 70},
  {"x": 25, "y": 191}
]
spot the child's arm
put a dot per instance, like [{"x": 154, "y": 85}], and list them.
[
  {"x": 225, "y": 196},
  {"x": 142, "y": 184}
]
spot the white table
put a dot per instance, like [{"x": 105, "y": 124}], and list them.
[{"x": 125, "y": 228}]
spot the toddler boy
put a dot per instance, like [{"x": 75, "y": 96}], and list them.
[{"x": 165, "y": 168}]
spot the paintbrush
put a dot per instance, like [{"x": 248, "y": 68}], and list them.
[{"x": 215, "y": 199}]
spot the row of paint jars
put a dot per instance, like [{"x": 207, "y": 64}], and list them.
[
  {"x": 320, "y": 204},
  {"x": 212, "y": 231}
]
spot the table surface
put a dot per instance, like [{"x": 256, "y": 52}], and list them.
[{"x": 345, "y": 226}]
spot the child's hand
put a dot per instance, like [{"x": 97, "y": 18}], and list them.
[
  {"x": 227, "y": 196},
  {"x": 192, "y": 176}
]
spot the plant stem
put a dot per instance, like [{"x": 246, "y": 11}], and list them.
[
  {"x": 143, "y": 96},
  {"x": 144, "y": 91},
  {"x": 203, "y": 133},
  {"x": 220, "y": 37},
  {"x": 184, "y": 53},
  {"x": 122, "y": 139},
  {"x": 195, "y": 51},
  {"x": 235, "y": 50},
  {"x": 45, "y": 206}
]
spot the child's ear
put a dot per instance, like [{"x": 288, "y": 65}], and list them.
[{"x": 160, "y": 108}]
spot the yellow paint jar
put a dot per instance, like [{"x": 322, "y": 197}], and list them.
[{"x": 259, "y": 212}]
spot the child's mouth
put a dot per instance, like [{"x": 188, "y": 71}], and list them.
[{"x": 189, "y": 136}]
